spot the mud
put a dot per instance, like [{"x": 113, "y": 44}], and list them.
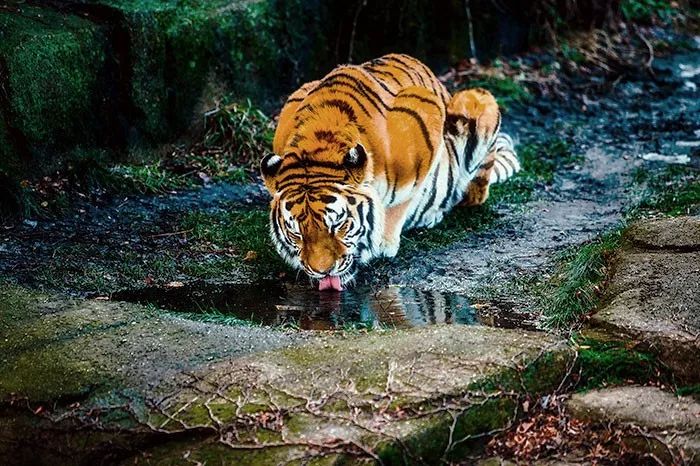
[{"x": 277, "y": 304}]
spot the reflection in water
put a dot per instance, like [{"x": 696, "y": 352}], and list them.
[{"x": 273, "y": 303}]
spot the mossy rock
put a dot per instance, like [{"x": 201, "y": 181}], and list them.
[{"x": 52, "y": 67}]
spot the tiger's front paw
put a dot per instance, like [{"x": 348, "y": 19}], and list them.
[
  {"x": 390, "y": 248},
  {"x": 477, "y": 193}
]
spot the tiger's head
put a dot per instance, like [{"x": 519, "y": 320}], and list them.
[{"x": 324, "y": 216}]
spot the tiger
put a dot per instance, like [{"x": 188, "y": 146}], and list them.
[{"x": 373, "y": 150}]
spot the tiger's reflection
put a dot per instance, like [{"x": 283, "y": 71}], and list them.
[{"x": 390, "y": 307}]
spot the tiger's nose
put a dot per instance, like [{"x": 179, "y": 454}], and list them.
[{"x": 320, "y": 265}]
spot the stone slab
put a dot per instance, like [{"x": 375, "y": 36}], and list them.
[
  {"x": 674, "y": 420},
  {"x": 653, "y": 296},
  {"x": 130, "y": 381},
  {"x": 668, "y": 233}
]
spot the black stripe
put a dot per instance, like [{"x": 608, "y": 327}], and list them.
[
  {"x": 359, "y": 86},
  {"x": 370, "y": 210},
  {"x": 373, "y": 69},
  {"x": 404, "y": 70},
  {"x": 421, "y": 123},
  {"x": 433, "y": 79},
  {"x": 381, "y": 83},
  {"x": 488, "y": 165},
  {"x": 393, "y": 191},
  {"x": 506, "y": 160},
  {"x": 420, "y": 164},
  {"x": 306, "y": 163},
  {"x": 433, "y": 193},
  {"x": 411, "y": 68},
  {"x": 471, "y": 142},
  {"x": 295, "y": 99},
  {"x": 450, "y": 184},
  {"x": 422, "y": 99},
  {"x": 306, "y": 179},
  {"x": 354, "y": 98},
  {"x": 343, "y": 106}
]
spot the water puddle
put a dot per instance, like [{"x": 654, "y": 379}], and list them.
[{"x": 275, "y": 303}]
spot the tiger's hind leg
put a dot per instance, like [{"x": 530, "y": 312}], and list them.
[
  {"x": 500, "y": 164},
  {"x": 484, "y": 155}
]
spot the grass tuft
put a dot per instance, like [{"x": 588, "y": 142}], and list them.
[
  {"x": 147, "y": 179},
  {"x": 214, "y": 316},
  {"x": 508, "y": 91},
  {"x": 241, "y": 131},
  {"x": 673, "y": 191},
  {"x": 575, "y": 288}
]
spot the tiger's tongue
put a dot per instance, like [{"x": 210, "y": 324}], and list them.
[{"x": 330, "y": 283}]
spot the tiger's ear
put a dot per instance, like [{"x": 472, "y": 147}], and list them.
[
  {"x": 269, "y": 166},
  {"x": 356, "y": 161}
]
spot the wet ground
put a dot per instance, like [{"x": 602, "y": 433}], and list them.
[{"x": 137, "y": 249}]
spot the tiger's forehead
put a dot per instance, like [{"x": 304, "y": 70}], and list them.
[{"x": 303, "y": 199}]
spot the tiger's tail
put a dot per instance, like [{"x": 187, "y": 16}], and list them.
[{"x": 506, "y": 163}]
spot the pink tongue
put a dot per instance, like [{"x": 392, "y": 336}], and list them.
[{"x": 330, "y": 282}]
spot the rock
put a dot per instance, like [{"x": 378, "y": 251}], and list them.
[
  {"x": 662, "y": 416},
  {"x": 653, "y": 295},
  {"x": 669, "y": 233},
  {"x": 104, "y": 379},
  {"x": 53, "y": 65}
]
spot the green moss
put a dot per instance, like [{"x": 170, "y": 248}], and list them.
[
  {"x": 54, "y": 63},
  {"x": 613, "y": 362},
  {"x": 541, "y": 376},
  {"x": 40, "y": 372},
  {"x": 575, "y": 288},
  {"x": 432, "y": 433},
  {"x": 181, "y": 51},
  {"x": 46, "y": 375},
  {"x": 210, "y": 451}
]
